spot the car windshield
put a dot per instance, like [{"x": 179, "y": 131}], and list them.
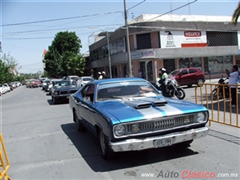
[
  {"x": 173, "y": 73},
  {"x": 74, "y": 78},
  {"x": 62, "y": 83},
  {"x": 127, "y": 89}
]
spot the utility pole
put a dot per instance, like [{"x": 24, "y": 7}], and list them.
[
  {"x": 128, "y": 44},
  {"x": 109, "y": 57}
]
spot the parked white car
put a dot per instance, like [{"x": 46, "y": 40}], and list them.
[
  {"x": 17, "y": 83},
  {"x": 71, "y": 78},
  {"x": 7, "y": 87},
  {"x": 2, "y": 89},
  {"x": 84, "y": 80}
]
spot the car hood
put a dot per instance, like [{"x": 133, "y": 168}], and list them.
[
  {"x": 65, "y": 88},
  {"x": 146, "y": 108}
]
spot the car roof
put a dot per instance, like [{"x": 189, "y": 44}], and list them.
[{"x": 86, "y": 77}]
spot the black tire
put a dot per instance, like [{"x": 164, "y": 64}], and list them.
[
  {"x": 200, "y": 82},
  {"x": 214, "y": 94},
  {"x": 54, "y": 100},
  {"x": 106, "y": 152},
  {"x": 180, "y": 93},
  {"x": 80, "y": 127},
  {"x": 189, "y": 85}
]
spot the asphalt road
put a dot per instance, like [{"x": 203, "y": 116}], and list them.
[{"x": 42, "y": 143}]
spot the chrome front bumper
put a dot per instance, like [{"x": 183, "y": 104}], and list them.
[{"x": 166, "y": 140}]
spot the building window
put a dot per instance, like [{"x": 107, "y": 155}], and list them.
[
  {"x": 117, "y": 46},
  {"x": 222, "y": 39},
  {"x": 144, "y": 41},
  {"x": 190, "y": 62},
  {"x": 218, "y": 64}
]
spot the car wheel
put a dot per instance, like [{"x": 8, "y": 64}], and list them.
[
  {"x": 214, "y": 94},
  {"x": 80, "y": 127},
  {"x": 54, "y": 100},
  {"x": 180, "y": 93},
  {"x": 106, "y": 152},
  {"x": 200, "y": 82}
]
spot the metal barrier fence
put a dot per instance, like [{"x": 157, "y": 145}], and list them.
[
  {"x": 4, "y": 162},
  {"x": 217, "y": 99}
]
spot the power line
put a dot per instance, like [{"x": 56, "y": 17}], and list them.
[
  {"x": 173, "y": 10},
  {"x": 29, "y": 38},
  {"x": 46, "y": 30},
  {"x": 136, "y": 5},
  {"x": 59, "y": 19}
]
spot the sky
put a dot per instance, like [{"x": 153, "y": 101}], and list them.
[{"x": 28, "y": 27}]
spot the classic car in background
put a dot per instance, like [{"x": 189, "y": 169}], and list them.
[
  {"x": 62, "y": 90},
  {"x": 84, "y": 80},
  {"x": 71, "y": 78},
  {"x": 35, "y": 83},
  {"x": 130, "y": 114},
  {"x": 51, "y": 84}
]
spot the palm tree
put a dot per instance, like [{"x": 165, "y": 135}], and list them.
[{"x": 236, "y": 15}]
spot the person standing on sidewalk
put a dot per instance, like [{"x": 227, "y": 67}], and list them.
[{"x": 233, "y": 78}]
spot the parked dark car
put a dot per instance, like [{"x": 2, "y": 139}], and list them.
[
  {"x": 61, "y": 90},
  {"x": 188, "y": 76},
  {"x": 130, "y": 114}
]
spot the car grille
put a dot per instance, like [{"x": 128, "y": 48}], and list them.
[
  {"x": 68, "y": 92},
  {"x": 158, "y": 125}
]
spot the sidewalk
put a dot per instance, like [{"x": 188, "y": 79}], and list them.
[
  {"x": 234, "y": 131},
  {"x": 212, "y": 80}
]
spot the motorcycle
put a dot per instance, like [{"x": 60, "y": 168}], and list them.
[
  {"x": 171, "y": 88},
  {"x": 220, "y": 91}
]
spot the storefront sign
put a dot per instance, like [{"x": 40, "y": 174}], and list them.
[
  {"x": 182, "y": 39},
  {"x": 142, "y": 54}
]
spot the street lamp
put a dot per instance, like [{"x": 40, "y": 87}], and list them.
[{"x": 108, "y": 47}]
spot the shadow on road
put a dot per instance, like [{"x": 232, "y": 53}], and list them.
[
  {"x": 58, "y": 103},
  {"x": 89, "y": 149},
  {"x": 218, "y": 105}
]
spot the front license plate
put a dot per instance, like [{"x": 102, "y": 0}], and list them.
[{"x": 162, "y": 142}]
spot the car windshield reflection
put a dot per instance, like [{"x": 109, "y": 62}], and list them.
[{"x": 125, "y": 90}]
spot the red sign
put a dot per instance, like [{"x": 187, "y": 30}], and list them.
[{"x": 192, "y": 33}]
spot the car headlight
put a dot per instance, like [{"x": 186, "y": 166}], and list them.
[
  {"x": 56, "y": 92},
  {"x": 201, "y": 117},
  {"x": 119, "y": 130}
]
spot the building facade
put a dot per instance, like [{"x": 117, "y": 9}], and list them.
[{"x": 210, "y": 43}]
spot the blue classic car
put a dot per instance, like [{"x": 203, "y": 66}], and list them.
[
  {"x": 62, "y": 89},
  {"x": 130, "y": 114}
]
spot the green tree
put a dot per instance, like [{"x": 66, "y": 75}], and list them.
[
  {"x": 63, "y": 56},
  {"x": 236, "y": 15},
  {"x": 7, "y": 66}
]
